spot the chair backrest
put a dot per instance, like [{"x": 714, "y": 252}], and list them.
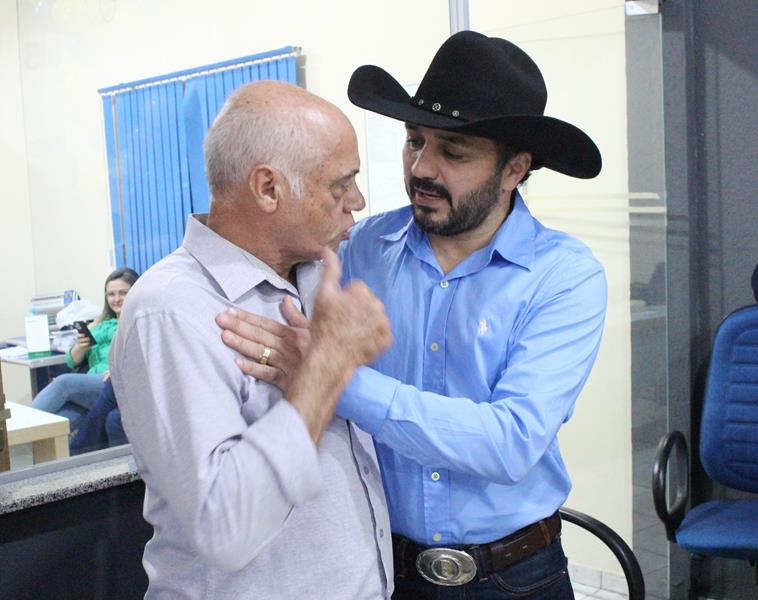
[{"x": 729, "y": 429}]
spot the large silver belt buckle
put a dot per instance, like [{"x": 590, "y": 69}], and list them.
[{"x": 446, "y": 566}]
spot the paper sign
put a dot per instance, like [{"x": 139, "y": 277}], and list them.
[{"x": 37, "y": 333}]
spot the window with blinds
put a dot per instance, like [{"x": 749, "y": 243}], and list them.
[{"x": 154, "y": 130}]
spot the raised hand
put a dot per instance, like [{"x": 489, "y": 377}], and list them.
[
  {"x": 349, "y": 328},
  {"x": 311, "y": 362},
  {"x": 80, "y": 348},
  {"x": 350, "y": 323}
]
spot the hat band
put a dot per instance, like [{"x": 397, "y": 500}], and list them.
[{"x": 437, "y": 108}]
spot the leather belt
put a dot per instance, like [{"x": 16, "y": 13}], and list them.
[{"x": 459, "y": 564}]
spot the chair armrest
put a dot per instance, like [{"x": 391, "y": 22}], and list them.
[
  {"x": 621, "y": 550},
  {"x": 671, "y": 517}
]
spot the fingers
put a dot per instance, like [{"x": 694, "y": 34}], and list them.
[
  {"x": 293, "y": 315},
  {"x": 240, "y": 321},
  {"x": 360, "y": 290},
  {"x": 330, "y": 278},
  {"x": 251, "y": 348},
  {"x": 261, "y": 372},
  {"x": 254, "y": 327},
  {"x": 350, "y": 323},
  {"x": 250, "y": 335},
  {"x": 374, "y": 313}
]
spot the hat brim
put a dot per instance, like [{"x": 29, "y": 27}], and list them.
[{"x": 554, "y": 144}]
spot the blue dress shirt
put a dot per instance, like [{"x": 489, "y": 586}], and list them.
[{"x": 487, "y": 363}]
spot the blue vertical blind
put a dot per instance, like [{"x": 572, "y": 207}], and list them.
[{"x": 154, "y": 131}]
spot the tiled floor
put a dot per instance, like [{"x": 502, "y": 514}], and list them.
[
  {"x": 586, "y": 592},
  {"x": 650, "y": 544}
]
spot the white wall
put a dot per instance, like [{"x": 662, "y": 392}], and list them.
[
  {"x": 56, "y": 227},
  {"x": 580, "y": 49},
  {"x": 70, "y": 49},
  {"x": 16, "y": 250}
]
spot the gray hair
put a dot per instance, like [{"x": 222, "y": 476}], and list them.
[{"x": 242, "y": 136}]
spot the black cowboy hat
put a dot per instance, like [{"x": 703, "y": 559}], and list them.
[{"x": 487, "y": 87}]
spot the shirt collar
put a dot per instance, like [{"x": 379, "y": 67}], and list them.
[
  {"x": 394, "y": 236},
  {"x": 235, "y": 270},
  {"x": 308, "y": 278},
  {"x": 268, "y": 273},
  {"x": 513, "y": 241}
]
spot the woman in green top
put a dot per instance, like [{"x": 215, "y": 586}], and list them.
[{"x": 71, "y": 395}]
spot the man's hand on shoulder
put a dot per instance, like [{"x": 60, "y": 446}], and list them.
[
  {"x": 251, "y": 334},
  {"x": 311, "y": 362}
]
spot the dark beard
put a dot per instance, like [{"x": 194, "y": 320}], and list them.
[{"x": 472, "y": 210}]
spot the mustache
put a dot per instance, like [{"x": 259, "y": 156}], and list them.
[{"x": 427, "y": 185}]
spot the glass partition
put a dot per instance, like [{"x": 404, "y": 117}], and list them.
[
  {"x": 603, "y": 74},
  {"x": 648, "y": 299}
]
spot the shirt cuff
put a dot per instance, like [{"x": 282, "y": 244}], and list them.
[
  {"x": 283, "y": 439},
  {"x": 70, "y": 360},
  {"x": 367, "y": 399}
]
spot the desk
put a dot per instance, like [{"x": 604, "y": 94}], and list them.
[
  {"x": 33, "y": 364},
  {"x": 48, "y": 433}
]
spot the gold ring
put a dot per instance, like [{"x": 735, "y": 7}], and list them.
[{"x": 265, "y": 355}]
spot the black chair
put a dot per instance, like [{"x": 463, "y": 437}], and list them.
[
  {"x": 728, "y": 452},
  {"x": 623, "y": 553}
]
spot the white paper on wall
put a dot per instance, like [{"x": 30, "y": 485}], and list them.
[{"x": 37, "y": 333}]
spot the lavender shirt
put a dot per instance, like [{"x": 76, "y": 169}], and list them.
[{"x": 244, "y": 505}]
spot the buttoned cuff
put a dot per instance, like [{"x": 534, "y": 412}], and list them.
[
  {"x": 70, "y": 360},
  {"x": 283, "y": 439},
  {"x": 367, "y": 399}
]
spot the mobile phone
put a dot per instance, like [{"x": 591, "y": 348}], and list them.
[{"x": 82, "y": 328}]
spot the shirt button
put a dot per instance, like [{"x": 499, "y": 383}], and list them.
[
  {"x": 444, "y": 284},
  {"x": 435, "y": 346},
  {"x": 435, "y": 476},
  {"x": 437, "y": 537},
  {"x": 381, "y": 533},
  {"x": 365, "y": 470}
]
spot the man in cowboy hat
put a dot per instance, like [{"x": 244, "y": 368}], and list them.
[{"x": 497, "y": 322}]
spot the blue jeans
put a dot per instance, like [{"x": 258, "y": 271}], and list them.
[
  {"x": 541, "y": 576},
  {"x": 101, "y": 428},
  {"x": 70, "y": 395}
]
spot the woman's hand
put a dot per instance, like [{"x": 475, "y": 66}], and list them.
[
  {"x": 251, "y": 335},
  {"x": 80, "y": 348},
  {"x": 83, "y": 341}
]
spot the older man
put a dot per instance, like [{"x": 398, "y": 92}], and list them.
[
  {"x": 252, "y": 494},
  {"x": 498, "y": 320}
]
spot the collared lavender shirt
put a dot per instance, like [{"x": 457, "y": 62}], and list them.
[{"x": 244, "y": 505}]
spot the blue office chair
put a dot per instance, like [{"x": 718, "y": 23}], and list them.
[{"x": 728, "y": 452}]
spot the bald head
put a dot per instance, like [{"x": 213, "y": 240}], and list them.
[{"x": 272, "y": 123}]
